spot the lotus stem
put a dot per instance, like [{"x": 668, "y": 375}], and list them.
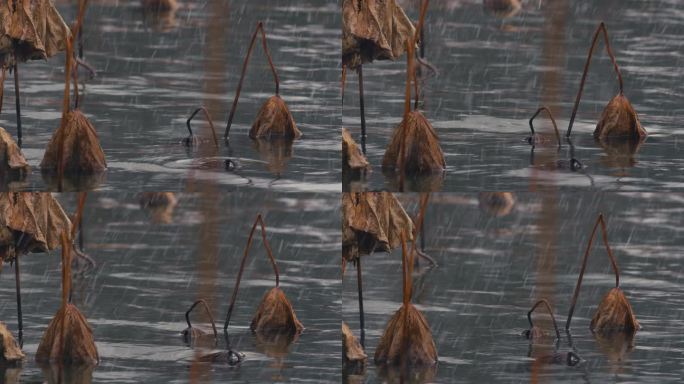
[
  {"x": 87, "y": 66},
  {"x": 362, "y": 110},
  {"x": 2, "y": 86},
  {"x": 16, "y": 101},
  {"x": 211, "y": 124},
  {"x": 548, "y": 308},
  {"x": 207, "y": 309},
  {"x": 259, "y": 27},
  {"x": 76, "y": 221},
  {"x": 553, "y": 121},
  {"x": 359, "y": 285},
  {"x": 601, "y": 28},
  {"x": 613, "y": 263},
  {"x": 343, "y": 83},
  {"x": 259, "y": 220},
  {"x": 20, "y": 317},
  {"x": 418, "y": 36}
]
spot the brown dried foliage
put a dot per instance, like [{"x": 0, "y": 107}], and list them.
[
  {"x": 619, "y": 119},
  {"x": 79, "y": 144},
  {"x": 34, "y": 217},
  {"x": 30, "y": 30},
  {"x": 497, "y": 204},
  {"x": 9, "y": 348},
  {"x": 418, "y": 142},
  {"x": 68, "y": 338},
  {"x": 353, "y": 158},
  {"x": 12, "y": 161},
  {"x": 275, "y": 315},
  {"x": 372, "y": 221},
  {"x": 407, "y": 340},
  {"x": 274, "y": 120},
  {"x": 352, "y": 351},
  {"x": 275, "y": 152},
  {"x": 373, "y": 30},
  {"x": 614, "y": 313}
]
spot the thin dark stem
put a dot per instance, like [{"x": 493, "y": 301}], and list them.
[
  {"x": 362, "y": 110},
  {"x": 343, "y": 83},
  {"x": 87, "y": 66},
  {"x": 548, "y": 308},
  {"x": 422, "y": 37},
  {"x": 259, "y": 27},
  {"x": 553, "y": 121},
  {"x": 20, "y": 317},
  {"x": 78, "y": 215},
  {"x": 613, "y": 263},
  {"x": 211, "y": 124},
  {"x": 16, "y": 102},
  {"x": 259, "y": 220},
  {"x": 207, "y": 309},
  {"x": 74, "y": 71},
  {"x": 359, "y": 283},
  {"x": 601, "y": 28},
  {"x": 2, "y": 87}
]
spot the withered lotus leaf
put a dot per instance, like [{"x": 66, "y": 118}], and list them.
[
  {"x": 373, "y": 30},
  {"x": 9, "y": 348},
  {"x": 34, "y": 217},
  {"x": 275, "y": 315},
  {"x": 12, "y": 161},
  {"x": 81, "y": 146},
  {"x": 275, "y": 152},
  {"x": 274, "y": 120},
  {"x": 372, "y": 221},
  {"x": 619, "y": 119},
  {"x": 30, "y": 30},
  {"x": 68, "y": 338},
  {"x": 614, "y": 313},
  {"x": 407, "y": 336},
  {"x": 419, "y": 143},
  {"x": 75, "y": 346},
  {"x": 352, "y": 156},
  {"x": 351, "y": 348}
]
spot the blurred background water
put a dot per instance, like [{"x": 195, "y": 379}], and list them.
[
  {"x": 495, "y": 262},
  {"x": 494, "y": 72},
  {"x": 152, "y": 265}
]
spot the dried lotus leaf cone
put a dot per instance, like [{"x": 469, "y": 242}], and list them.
[
  {"x": 10, "y": 352},
  {"x": 373, "y": 30},
  {"x": 30, "y": 30},
  {"x": 619, "y": 119},
  {"x": 407, "y": 340},
  {"x": 614, "y": 313},
  {"x": 352, "y": 351},
  {"x": 372, "y": 221},
  {"x": 78, "y": 139},
  {"x": 274, "y": 120},
  {"x": 275, "y": 315},
  {"x": 419, "y": 143},
  {"x": 68, "y": 338},
  {"x": 275, "y": 152},
  {"x": 353, "y": 158},
  {"x": 12, "y": 161}
]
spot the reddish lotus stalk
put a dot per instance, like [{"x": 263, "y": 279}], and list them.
[
  {"x": 76, "y": 221},
  {"x": 613, "y": 263},
  {"x": 211, "y": 125},
  {"x": 259, "y": 28},
  {"x": 259, "y": 220},
  {"x": 548, "y": 308},
  {"x": 207, "y": 310},
  {"x": 553, "y": 121},
  {"x": 601, "y": 29}
]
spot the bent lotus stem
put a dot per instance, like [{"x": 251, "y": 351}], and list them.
[
  {"x": 76, "y": 221},
  {"x": 600, "y": 221},
  {"x": 600, "y": 30},
  {"x": 408, "y": 284},
  {"x": 553, "y": 121},
  {"x": 208, "y": 117},
  {"x": 548, "y": 308},
  {"x": 87, "y": 66},
  {"x": 207, "y": 310},
  {"x": 259, "y": 28},
  {"x": 419, "y": 36},
  {"x": 259, "y": 220}
]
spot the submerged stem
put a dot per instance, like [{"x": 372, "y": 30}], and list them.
[
  {"x": 259, "y": 220},
  {"x": 211, "y": 124},
  {"x": 553, "y": 121},
  {"x": 613, "y": 263},
  {"x": 548, "y": 308},
  {"x": 601, "y": 28},
  {"x": 207, "y": 309},
  {"x": 259, "y": 27}
]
